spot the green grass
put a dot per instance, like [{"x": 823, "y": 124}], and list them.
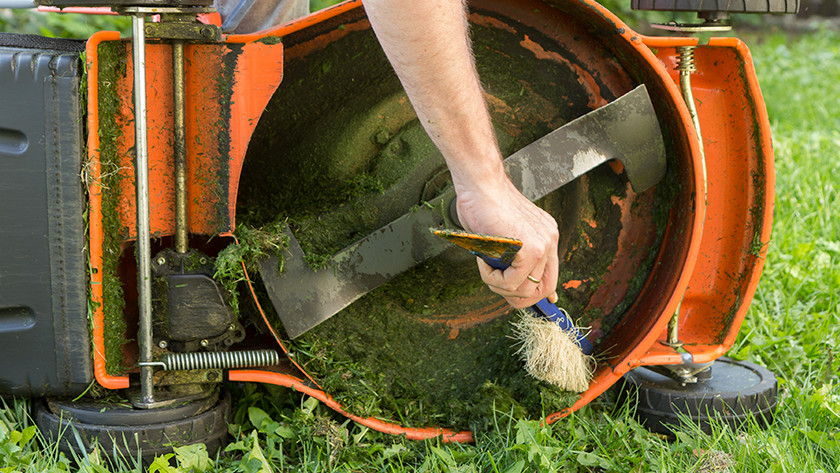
[{"x": 791, "y": 328}]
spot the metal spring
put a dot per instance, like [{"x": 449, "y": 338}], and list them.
[
  {"x": 685, "y": 60},
  {"x": 219, "y": 360}
]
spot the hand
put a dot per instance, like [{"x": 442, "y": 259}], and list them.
[
  {"x": 428, "y": 45},
  {"x": 501, "y": 210}
]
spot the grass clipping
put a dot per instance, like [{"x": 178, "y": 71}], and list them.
[{"x": 551, "y": 354}]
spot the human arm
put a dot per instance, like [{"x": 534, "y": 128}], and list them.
[{"x": 428, "y": 45}]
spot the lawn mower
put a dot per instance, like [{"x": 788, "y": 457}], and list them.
[{"x": 185, "y": 208}]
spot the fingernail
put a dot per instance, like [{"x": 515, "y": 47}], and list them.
[{"x": 553, "y": 298}]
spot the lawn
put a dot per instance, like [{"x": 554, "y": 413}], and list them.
[{"x": 792, "y": 328}]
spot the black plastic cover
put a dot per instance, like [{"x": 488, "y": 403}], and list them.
[
  {"x": 728, "y": 6},
  {"x": 116, "y": 4},
  {"x": 44, "y": 332}
]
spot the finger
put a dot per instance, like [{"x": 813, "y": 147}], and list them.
[
  {"x": 522, "y": 302},
  {"x": 499, "y": 282},
  {"x": 551, "y": 274},
  {"x": 525, "y": 296}
]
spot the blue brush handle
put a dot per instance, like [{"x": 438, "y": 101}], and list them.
[{"x": 545, "y": 308}]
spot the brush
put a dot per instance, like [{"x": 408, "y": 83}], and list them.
[{"x": 552, "y": 348}]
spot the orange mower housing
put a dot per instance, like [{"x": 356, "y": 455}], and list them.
[{"x": 710, "y": 253}]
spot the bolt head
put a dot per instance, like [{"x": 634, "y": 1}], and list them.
[
  {"x": 161, "y": 261},
  {"x": 204, "y": 343},
  {"x": 163, "y": 344}
]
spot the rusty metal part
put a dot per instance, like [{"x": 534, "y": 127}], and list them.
[
  {"x": 687, "y": 372},
  {"x": 496, "y": 247},
  {"x": 184, "y": 30},
  {"x": 171, "y": 378},
  {"x": 626, "y": 129},
  {"x": 143, "y": 251},
  {"x": 181, "y": 393},
  {"x": 179, "y": 131},
  {"x": 673, "y": 339},
  {"x": 176, "y": 22}
]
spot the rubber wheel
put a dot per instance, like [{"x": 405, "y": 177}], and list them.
[
  {"x": 152, "y": 432},
  {"x": 736, "y": 392}
]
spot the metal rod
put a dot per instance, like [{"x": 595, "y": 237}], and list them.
[
  {"x": 179, "y": 95},
  {"x": 143, "y": 250},
  {"x": 685, "y": 66},
  {"x": 673, "y": 340}
]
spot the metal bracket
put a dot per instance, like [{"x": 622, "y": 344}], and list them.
[
  {"x": 712, "y": 23},
  {"x": 177, "y": 23},
  {"x": 686, "y": 372},
  {"x": 184, "y": 30},
  {"x": 163, "y": 399}
]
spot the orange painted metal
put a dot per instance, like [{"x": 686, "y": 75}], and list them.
[
  {"x": 740, "y": 196},
  {"x": 713, "y": 272},
  {"x": 227, "y": 88},
  {"x": 95, "y": 214},
  {"x": 221, "y": 117}
]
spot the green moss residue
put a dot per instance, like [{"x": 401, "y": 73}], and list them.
[
  {"x": 270, "y": 40},
  {"x": 252, "y": 244},
  {"x": 406, "y": 352},
  {"x": 112, "y": 69}
]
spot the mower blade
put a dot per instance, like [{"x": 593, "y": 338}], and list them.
[{"x": 626, "y": 129}]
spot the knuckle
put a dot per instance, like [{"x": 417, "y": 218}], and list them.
[{"x": 517, "y": 303}]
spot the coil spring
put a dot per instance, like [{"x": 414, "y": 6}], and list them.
[
  {"x": 685, "y": 61},
  {"x": 219, "y": 360}
]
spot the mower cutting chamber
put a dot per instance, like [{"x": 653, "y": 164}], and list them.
[{"x": 317, "y": 98}]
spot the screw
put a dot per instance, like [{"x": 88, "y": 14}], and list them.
[
  {"x": 161, "y": 261},
  {"x": 163, "y": 344},
  {"x": 231, "y": 327},
  {"x": 204, "y": 343},
  {"x": 149, "y": 29},
  {"x": 207, "y": 32},
  {"x": 211, "y": 376},
  {"x": 382, "y": 136},
  {"x": 396, "y": 146},
  {"x": 202, "y": 261}
]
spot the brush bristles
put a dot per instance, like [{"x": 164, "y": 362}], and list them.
[{"x": 551, "y": 354}]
